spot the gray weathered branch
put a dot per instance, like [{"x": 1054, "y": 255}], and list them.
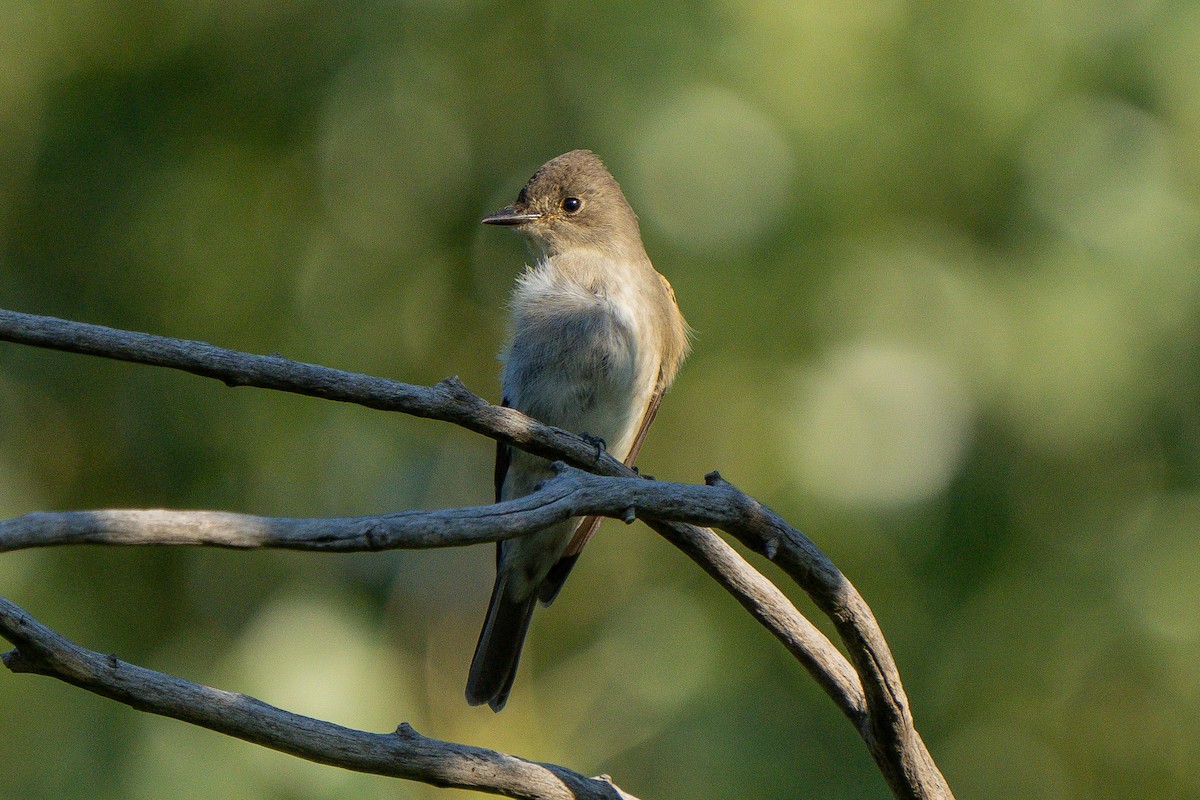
[
  {"x": 448, "y": 400},
  {"x": 401, "y": 754},
  {"x": 870, "y": 694},
  {"x": 571, "y": 493}
]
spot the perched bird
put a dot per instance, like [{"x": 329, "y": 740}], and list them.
[{"x": 596, "y": 340}]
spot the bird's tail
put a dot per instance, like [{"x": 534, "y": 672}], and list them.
[{"x": 499, "y": 649}]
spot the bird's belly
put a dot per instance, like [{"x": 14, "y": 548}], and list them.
[
  {"x": 600, "y": 403},
  {"x": 579, "y": 373}
]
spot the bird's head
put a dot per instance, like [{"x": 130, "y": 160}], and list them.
[{"x": 571, "y": 201}]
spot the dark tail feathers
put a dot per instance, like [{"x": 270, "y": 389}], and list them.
[{"x": 499, "y": 649}]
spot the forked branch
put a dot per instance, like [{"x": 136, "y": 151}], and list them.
[{"x": 870, "y": 693}]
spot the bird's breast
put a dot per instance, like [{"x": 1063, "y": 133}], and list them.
[{"x": 578, "y": 359}]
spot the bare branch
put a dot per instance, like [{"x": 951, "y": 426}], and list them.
[
  {"x": 876, "y": 704},
  {"x": 888, "y": 727},
  {"x": 401, "y": 754},
  {"x": 571, "y": 493},
  {"x": 881, "y": 715},
  {"x": 448, "y": 400}
]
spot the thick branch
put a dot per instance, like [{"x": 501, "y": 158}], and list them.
[{"x": 401, "y": 754}]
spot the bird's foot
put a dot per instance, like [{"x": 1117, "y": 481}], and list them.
[{"x": 596, "y": 442}]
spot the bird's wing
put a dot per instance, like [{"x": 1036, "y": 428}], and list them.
[
  {"x": 647, "y": 417},
  {"x": 503, "y": 460},
  {"x": 554, "y": 579},
  {"x": 589, "y": 524}
]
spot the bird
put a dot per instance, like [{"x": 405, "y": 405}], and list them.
[{"x": 596, "y": 339}]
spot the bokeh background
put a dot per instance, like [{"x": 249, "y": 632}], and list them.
[{"x": 942, "y": 263}]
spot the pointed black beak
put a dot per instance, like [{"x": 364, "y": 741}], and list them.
[{"x": 509, "y": 216}]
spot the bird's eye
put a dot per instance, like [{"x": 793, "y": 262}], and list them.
[{"x": 571, "y": 204}]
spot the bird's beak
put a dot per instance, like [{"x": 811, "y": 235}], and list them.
[{"x": 509, "y": 216}]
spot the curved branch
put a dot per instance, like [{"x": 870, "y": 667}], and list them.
[
  {"x": 448, "y": 400},
  {"x": 887, "y": 727},
  {"x": 401, "y": 754},
  {"x": 877, "y": 705},
  {"x": 570, "y": 493}
]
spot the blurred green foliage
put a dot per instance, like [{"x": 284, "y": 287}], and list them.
[{"x": 942, "y": 260}]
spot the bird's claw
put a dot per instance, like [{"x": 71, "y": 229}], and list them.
[{"x": 596, "y": 442}]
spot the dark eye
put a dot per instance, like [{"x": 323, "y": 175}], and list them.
[{"x": 571, "y": 204}]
